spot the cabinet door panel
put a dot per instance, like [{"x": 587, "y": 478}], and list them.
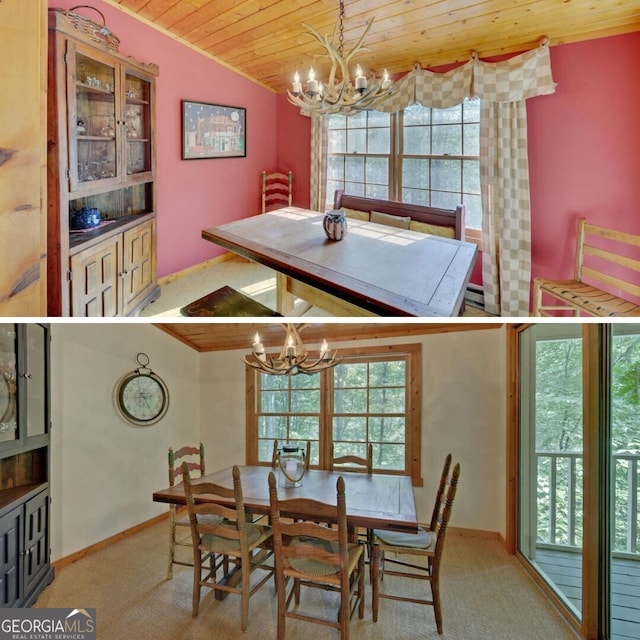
[
  {"x": 139, "y": 264},
  {"x": 10, "y": 548},
  {"x": 8, "y": 384},
  {"x": 36, "y": 380},
  {"x": 36, "y": 541},
  {"x": 96, "y": 280}
]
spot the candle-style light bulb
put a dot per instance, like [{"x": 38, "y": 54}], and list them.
[
  {"x": 385, "y": 79},
  {"x": 291, "y": 348},
  {"x": 361, "y": 81},
  {"x": 312, "y": 84},
  {"x": 297, "y": 85},
  {"x": 324, "y": 351},
  {"x": 258, "y": 348}
]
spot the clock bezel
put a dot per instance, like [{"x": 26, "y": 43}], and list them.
[{"x": 120, "y": 403}]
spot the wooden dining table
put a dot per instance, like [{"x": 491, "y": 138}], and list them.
[
  {"x": 375, "y": 269},
  {"x": 374, "y": 501}
]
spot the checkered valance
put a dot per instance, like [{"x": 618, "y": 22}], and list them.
[{"x": 518, "y": 78}]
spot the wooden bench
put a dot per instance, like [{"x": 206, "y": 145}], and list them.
[
  {"x": 598, "y": 249},
  {"x": 445, "y": 222}
]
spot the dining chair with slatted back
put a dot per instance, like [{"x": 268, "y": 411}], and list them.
[
  {"x": 237, "y": 544},
  {"x": 411, "y": 551},
  {"x": 179, "y": 532},
  {"x": 277, "y": 190},
  {"x": 309, "y": 554},
  {"x": 351, "y": 463}
]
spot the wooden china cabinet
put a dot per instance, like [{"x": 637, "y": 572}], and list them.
[
  {"x": 24, "y": 463},
  {"x": 101, "y": 155}
]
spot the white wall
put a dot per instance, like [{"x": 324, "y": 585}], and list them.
[
  {"x": 103, "y": 469},
  {"x": 463, "y": 412}
]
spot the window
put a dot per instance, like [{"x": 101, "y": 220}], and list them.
[
  {"x": 372, "y": 397},
  {"x": 420, "y": 155}
]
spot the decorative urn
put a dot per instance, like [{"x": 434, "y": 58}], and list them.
[{"x": 335, "y": 225}]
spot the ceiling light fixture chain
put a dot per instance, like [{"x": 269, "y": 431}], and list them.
[
  {"x": 293, "y": 358},
  {"x": 340, "y": 95}
]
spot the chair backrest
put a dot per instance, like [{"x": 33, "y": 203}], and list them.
[
  {"x": 231, "y": 523},
  {"x": 438, "y": 505},
  {"x": 352, "y": 463},
  {"x": 277, "y": 190},
  {"x": 298, "y": 556},
  {"x": 193, "y": 456},
  {"x": 442, "y": 521},
  {"x": 608, "y": 257}
]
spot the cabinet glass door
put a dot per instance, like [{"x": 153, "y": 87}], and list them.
[
  {"x": 8, "y": 387},
  {"x": 93, "y": 125},
  {"x": 137, "y": 124},
  {"x": 36, "y": 382}
]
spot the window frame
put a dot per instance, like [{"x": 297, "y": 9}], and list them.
[
  {"x": 413, "y": 407},
  {"x": 395, "y": 157}
]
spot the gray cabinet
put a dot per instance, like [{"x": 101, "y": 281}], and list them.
[{"x": 24, "y": 463}]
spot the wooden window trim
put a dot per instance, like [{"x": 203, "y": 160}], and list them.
[{"x": 413, "y": 352}]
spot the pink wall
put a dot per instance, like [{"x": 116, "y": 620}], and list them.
[
  {"x": 583, "y": 148},
  {"x": 195, "y": 194}
]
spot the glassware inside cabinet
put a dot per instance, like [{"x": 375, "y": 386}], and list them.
[
  {"x": 95, "y": 131},
  {"x": 8, "y": 383},
  {"x": 137, "y": 124}
]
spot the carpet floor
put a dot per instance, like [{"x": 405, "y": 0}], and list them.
[{"x": 486, "y": 595}]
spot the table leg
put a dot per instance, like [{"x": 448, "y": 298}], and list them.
[{"x": 285, "y": 301}]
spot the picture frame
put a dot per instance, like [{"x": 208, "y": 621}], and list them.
[{"x": 213, "y": 131}]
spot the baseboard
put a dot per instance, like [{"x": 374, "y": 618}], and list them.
[
  {"x": 196, "y": 268},
  {"x": 107, "y": 542}
]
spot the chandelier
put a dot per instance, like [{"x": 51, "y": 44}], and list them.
[
  {"x": 293, "y": 358},
  {"x": 340, "y": 95}
]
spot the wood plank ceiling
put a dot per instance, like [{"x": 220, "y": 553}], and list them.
[
  {"x": 219, "y": 336},
  {"x": 264, "y": 39}
]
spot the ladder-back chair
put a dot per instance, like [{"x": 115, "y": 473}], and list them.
[
  {"x": 424, "y": 550},
  {"x": 277, "y": 190},
  {"x": 309, "y": 554}
]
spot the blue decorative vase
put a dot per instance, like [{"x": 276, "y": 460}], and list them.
[
  {"x": 335, "y": 225},
  {"x": 86, "y": 218}
]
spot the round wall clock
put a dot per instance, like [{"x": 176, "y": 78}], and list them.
[{"x": 141, "y": 396}]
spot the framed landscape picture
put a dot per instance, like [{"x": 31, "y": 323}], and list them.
[{"x": 213, "y": 131}]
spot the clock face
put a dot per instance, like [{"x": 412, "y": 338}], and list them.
[{"x": 142, "y": 399}]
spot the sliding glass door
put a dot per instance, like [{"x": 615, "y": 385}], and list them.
[
  {"x": 578, "y": 468},
  {"x": 624, "y": 574},
  {"x": 551, "y": 458}
]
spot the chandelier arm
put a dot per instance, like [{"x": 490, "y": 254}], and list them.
[{"x": 360, "y": 42}]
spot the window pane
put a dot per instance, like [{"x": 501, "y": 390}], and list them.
[
  {"x": 357, "y": 120},
  {"x": 354, "y": 169},
  {"x": 352, "y": 429},
  {"x": 273, "y": 382},
  {"x": 304, "y": 428},
  {"x": 272, "y": 427},
  {"x": 332, "y": 185},
  {"x": 274, "y": 401},
  {"x": 377, "y": 191},
  {"x": 335, "y": 168},
  {"x": 354, "y": 188},
  {"x": 389, "y": 456},
  {"x": 415, "y": 173},
  {"x": 387, "y": 429},
  {"x": 445, "y": 199},
  {"x": 387, "y": 374},
  {"x": 415, "y": 114},
  {"x": 386, "y": 401},
  {"x": 305, "y": 401},
  {"x": 351, "y": 375},
  {"x": 447, "y": 139},
  {"x": 471, "y": 140},
  {"x": 414, "y": 196},
  {"x": 473, "y": 211},
  {"x": 471, "y": 110},
  {"x": 379, "y": 119},
  {"x": 378, "y": 171},
  {"x": 350, "y": 401},
  {"x": 446, "y": 175},
  {"x": 337, "y": 121},
  {"x": 379, "y": 140},
  {"x": 357, "y": 141},
  {"x": 416, "y": 141},
  {"x": 443, "y": 116},
  {"x": 337, "y": 141},
  {"x": 471, "y": 176}
]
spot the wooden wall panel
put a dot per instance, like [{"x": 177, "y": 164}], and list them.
[{"x": 23, "y": 65}]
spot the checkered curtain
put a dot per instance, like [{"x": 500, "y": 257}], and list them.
[
  {"x": 503, "y": 88},
  {"x": 319, "y": 147}
]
